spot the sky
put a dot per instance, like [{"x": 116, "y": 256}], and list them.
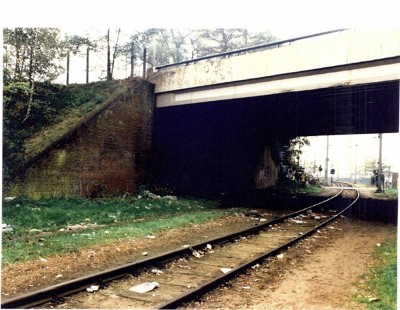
[
  {"x": 284, "y": 18},
  {"x": 348, "y": 153}
]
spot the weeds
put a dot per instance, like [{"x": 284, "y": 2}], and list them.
[
  {"x": 380, "y": 283},
  {"x": 390, "y": 193},
  {"x": 40, "y": 228},
  {"x": 293, "y": 187}
]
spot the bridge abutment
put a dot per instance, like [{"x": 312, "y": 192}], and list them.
[{"x": 107, "y": 154}]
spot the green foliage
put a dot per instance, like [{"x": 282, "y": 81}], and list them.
[
  {"x": 392, "y": 193},
  {"x": 381, "y": 281},
  {"x": 74, "y": 44},
  {"x": 47, "y": 104},
  {"x": 53, "y": 214},
  {"x": 54, "y": 110},
  {"x": 22, "y": 250},
  {"x": 94, "y": 93},
  {"x": 121, "y": 217},
  {"x": 31, "y": 54},
  {"x": 293, "y": 187}
]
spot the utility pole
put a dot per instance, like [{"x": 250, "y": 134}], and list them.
[
  {"x": 144, "y": 62},
  {"x": 380, "y": 190},
  {"x": 87, "y": 65},
  {"x": 132, "y": 58},
  {"x": 327, "y": 160},
  {"x": 68, "y": 68},
  {"x": 355, "y": 166},
  {"x": 109, "y": 77}
]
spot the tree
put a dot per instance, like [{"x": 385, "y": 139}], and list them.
[
  {"x": 290, "y": 157},
  {"x": 173, "y": 45},
  {"x": 371, "y": 166},
  {"x": 133, "y": 49},
  {"x": 178, "y": 38},
  {"x": 111, "y": 61},
  {"x": 74, "y": 44},
  {"x": 222, "y": 40},
  {"x": 32, "y": 55}
]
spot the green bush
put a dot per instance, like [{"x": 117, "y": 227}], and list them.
[{"x": 52, "y": 104}]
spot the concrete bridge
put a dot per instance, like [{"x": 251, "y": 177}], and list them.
[
  {"x": 330, "y": 59},
  {"x": 222, "y": 120}
]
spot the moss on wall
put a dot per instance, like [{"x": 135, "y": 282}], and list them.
[{"x": 106, "y": 155}]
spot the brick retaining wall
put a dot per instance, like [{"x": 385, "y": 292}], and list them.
[{"x": 105, "y": 155}]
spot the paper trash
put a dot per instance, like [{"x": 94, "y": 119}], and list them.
[{"x": 144, "y": 287}]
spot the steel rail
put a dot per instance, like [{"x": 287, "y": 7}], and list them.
[
  {"x": 207, "y": 287},
  {"x": 47, "y": 294},
  {"x": 248, "y": 49}
]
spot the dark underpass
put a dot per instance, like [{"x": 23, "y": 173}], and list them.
[{"x": 213, "y": 148}]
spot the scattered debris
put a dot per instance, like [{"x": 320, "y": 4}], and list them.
[
  {"x": 44, "y": 260},
  {"x": 59, "y": 276},
  {"x": 373, "y": 299},
  {"x": 151, "y": 237},
  {"x": 296, "y": 221},
  {"x": 8, "y": 199},
  {"x": 185, "y": 246},
  {"x": 144, "y": 287},
  {"x": 255, "y": 266},
  {"x": 252, "y": 213},
  {"x": 169, "y": 197},
  {"x": 80, "y": 226},
  {"x": 6, "y": 228},
  {"x": 34, "y": 230},
  {"x": 209, "y": 247},
  {"x": 246, "y": 287},
  {"x": 225, "y": 270},
  {"x": 145, "y": 253},
  {"x": 280, "y": 256},
  {"x": 197, "y": 254},
  {"x": 148, "y": 194},
  {"x": 156, "y": 271},
  {"x": 93, "y": 288},
  {"x": 378, "y": 244}
]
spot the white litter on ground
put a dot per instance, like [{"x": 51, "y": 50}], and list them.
[
  {"x": 144, "y": 287},
  {"x": 226, "y": 270}
]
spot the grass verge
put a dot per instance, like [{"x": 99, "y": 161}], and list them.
[
  {"x": 297, "y": 188},
  {"x": 51, "y": 226},
  {"x": 380, "y": 283},
  {"x": 390, "y": 193}
]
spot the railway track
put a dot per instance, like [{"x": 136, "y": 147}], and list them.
[{"x": 180, "y": 276}]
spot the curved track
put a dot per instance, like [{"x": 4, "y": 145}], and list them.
[{"x": 184, "y": 274}]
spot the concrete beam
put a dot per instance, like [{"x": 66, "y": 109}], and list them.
[
  {"x": 343, "y": 58},
  {"x": 378, "y": 71}
]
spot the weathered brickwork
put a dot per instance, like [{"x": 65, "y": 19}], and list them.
[
  {"x": 267, "y": 172},
  {"x": 107, "y": 155}
]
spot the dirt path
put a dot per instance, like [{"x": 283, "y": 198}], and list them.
[{"x": 311, "y": 276}]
